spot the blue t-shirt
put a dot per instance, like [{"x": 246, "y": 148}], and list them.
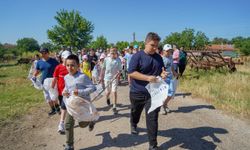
[
  {"x": 145, "y": 64},
  {"x": 168, "y": 63},
  {"x": 47, "y": 68}
]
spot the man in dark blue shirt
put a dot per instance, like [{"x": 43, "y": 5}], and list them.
[
  {"x": 144, "y": 67},
  {"x": 47, "y": 66}
]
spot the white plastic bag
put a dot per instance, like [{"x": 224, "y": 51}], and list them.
[
  {"x": 37, "y": 84},
  {"x": 158, "y": 92},
  {"x": 53, "y": 92},
  {"x": 81, "y": 109}
]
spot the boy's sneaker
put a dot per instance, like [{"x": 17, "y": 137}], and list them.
[
  {"x": 52, "y": 112},
  {"x": 91, "y": 125},
  {"x": 134, "y": 130},
  {"x": 115, "y": 111},
  {"x": 61, "y": 128},
  {"x": 166, "y": 110},
  {"x": 69, "y": 147},
  {"x": 108, "y": 101}
]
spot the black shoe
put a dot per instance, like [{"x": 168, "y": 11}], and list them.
[
  {"x": 108, "y": 101},
  {"x": 69, "y": 147},
  {"x": 115, "y": 111},
  {"x": 58, "y": 111},
  {"x": 153, "y": 148},
  {"x": 91, "y": 125},
  {"x": 52, "y": 112},
  {"x": 134, "y": 130}
]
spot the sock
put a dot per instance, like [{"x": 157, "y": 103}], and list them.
[{"x": 114, "y": 105}]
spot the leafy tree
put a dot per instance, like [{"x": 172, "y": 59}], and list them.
[
  {"x": 72, "y": 30},
  {"x": 27, "y": 45},
  {"x": 200, "y": 40},
  {"x": 48, "y": 45},
  {"x": 243, "y": 44},
  {"x": 173, "y": 38},
  {"x": 187, "y": 39},
  {"x": 100, "y": 42},
  {"x": 121, "y": 45},
  {"x": 218, "y": 40}
]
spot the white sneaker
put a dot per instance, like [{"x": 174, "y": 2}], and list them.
[{"x": 61, "y": 128}]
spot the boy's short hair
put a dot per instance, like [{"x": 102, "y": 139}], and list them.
[
  {"x": 73, "y": 57},
  {"x": 151, "y": 36}
]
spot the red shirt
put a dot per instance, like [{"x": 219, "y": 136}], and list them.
[{"x": 59, "y": 73}]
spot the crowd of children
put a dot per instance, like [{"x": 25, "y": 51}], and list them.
[{"x": 78, "y": 74}]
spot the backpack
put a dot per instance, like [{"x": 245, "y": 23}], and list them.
[{"x": 183, "y": 57}]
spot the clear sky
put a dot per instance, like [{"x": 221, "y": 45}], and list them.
[{"x": 118, "y": 19}]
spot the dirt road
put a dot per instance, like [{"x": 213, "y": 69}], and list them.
[{"x": 192, "y": 124}]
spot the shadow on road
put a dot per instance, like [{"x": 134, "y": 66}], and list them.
[
  {"x": 182, "y": 94},
  {"x": 192, "y": 139},
  {"x": 188, "y": 109}
]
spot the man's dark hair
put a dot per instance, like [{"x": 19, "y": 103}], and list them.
[
  {"x": 151, "y": 36},
  {"x": 73, "y": 57}
]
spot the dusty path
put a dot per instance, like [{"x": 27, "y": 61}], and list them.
[{"x": 193, "y": 124}]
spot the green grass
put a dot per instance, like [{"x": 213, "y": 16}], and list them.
[
  {"x": 228, "y": 91},
  {"x": 17, "y": 95}
]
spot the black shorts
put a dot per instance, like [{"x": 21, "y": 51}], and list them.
[{"x": 62, "y": 104}]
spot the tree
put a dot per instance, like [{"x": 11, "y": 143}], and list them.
[
  {"x": 218, "y": 40},
  {"x": 121, "y": 45},
  {"x": 100, "y": 42},
  {"x": 187, "y": 39},
  {"x": 49, "y": 45},
  {"x": 243, "y": 44},
  {"x": 27, "y": 45},
  {"x": 200, "y": 40},
  {"x": 72, "y": 30},
  {"x": 173, "y": 38}
]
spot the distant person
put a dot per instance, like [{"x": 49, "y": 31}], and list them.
[
  {"x": 47, "y": 66},
  {"x": 86, "y": 67},
  {"x": 111, "y": 70},
  {"x": 92, "y": 58},
  {"x": 176, "y": 58},
  {"x": 168, "y": 64},
  {"x": 144, "y": 67},
  {"x": 80, "y": 85},
  {"x": 182, "y": 61},
  {"x": 33, "y": 66},
  {"x": 58, "y": 75},
  {"x": 128, "y": 57}
]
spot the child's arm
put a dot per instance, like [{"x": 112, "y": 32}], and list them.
[{"x": 90, "y": 87}]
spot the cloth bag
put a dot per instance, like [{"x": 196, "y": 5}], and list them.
[
  {"x": 158, "y": 92},
  {"x": 80, "y": 109}
]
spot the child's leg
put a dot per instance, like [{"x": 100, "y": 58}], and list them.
[{"x": 69, "y": 125}]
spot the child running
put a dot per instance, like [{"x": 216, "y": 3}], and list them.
[
  {"x": 80, "y": 85},
  {"x": 58, "y": 75}
]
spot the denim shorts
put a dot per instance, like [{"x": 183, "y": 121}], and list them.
[{"x": 169, "y": 81}]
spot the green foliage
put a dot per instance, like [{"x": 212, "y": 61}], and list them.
[
  {"x": 48, "y": 45},
  {"x": 139, "y": 43},
  {"x": 243, "y": 44},
  {"x": 121, "y": 45},
  {"x": 200, "y": 40},
  {"x": 27, "y": 45},
  {"x": 173, "y": 38},
  {"x": 100, "y": 42},
  {"x": 218, "y": 40},
  {"x": 72, "y": 30},
  {"x": 187, "y": 39}
]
